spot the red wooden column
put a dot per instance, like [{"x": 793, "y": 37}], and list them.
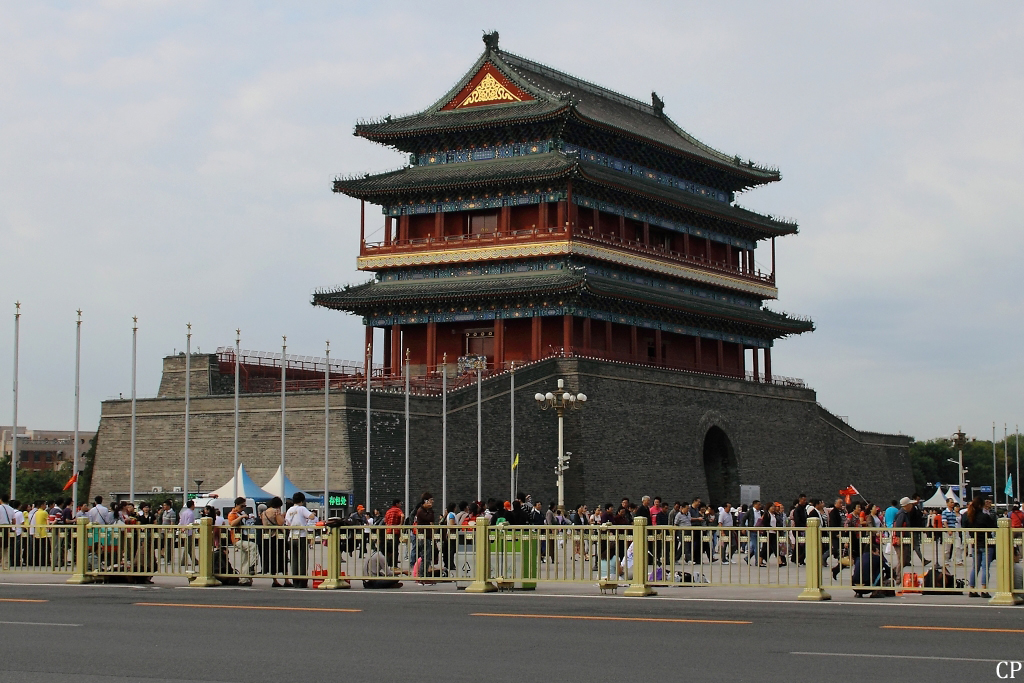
[
  {"x": 560, "y": 215},
  {"x": 403, "y": 228},
  {"x": 686, "y": 244},
  {"x": 754, "y": 368},
  {"x": 597, "y": 221},
  {"x": 586, "y": 334},
  {"x": 632, "y": 342},
  {"x": 505, "y": 220},
  {"x": 431, "y": 347},
  {"x": 707, "y": 247},
  {"x": 499, "y": 343},
  {"x": 728, "y": 255},
  {"x": 542, "y": 215},
  {"x": 387, "y": 230},
  {"x": 720, "y": 365},
  {"x": 608, "y": 338},
  {"x": 396, "y": 350},
  {"x": 566, "y": 333},
  {"x": 622, "y": 227},
  {"x": 386, "y": 351},
  {"x": 657, "y": 347},
  {"x": 362, "y": 225},
  {"x": 647, "y": 233},
  {"x": 535, "y": 330},
  {"x": 439, "y": 225},
  {"x": 368, "y": 350},
  {"x": 697, "y": 357},
  {"x": 768, "y": 365}
]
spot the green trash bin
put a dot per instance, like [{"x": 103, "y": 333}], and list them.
[{"x": 515, "y": 554}]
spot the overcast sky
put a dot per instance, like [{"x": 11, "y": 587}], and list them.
[{"x": 173, "y": 160}]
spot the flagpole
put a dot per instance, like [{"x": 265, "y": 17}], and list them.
[
  {"x": 234, "y": 473},
  {"x": 512, "y": 427},
  {"x": 78, "y": 371},
  {"x": 1006, "y": 470},
  {"x": 995, "y": 483},
  {"x": 1017, "y": 442},
  {"x": 188, "y": 405},
  {"x": 479, "y": 442},
  {"x": 406, "y": 432},
  {"x": 444, "y": 432},
  {"x": 327, "y": 428},
  {"x": 131, "y": 477},
  {"x": 369, "y": 374},
  {"x": 284, "y": 366},
  {"x": 14, "y": 422}
]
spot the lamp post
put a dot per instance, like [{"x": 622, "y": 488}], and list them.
[
  {"x": 561, "y": 400},
  {"x": 959, "y": 440}
]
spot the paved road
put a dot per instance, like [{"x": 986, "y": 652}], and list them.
[{"x": 152, "y": 634}]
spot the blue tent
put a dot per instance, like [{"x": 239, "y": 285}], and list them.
[{"x": 247, "y": 488}]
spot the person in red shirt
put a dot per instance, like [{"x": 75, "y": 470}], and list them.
[{"x": 393, "y": 518}]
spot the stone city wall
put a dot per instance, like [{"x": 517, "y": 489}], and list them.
[{"x": 642, "y": 431}]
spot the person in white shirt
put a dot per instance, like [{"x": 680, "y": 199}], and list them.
[
  {"x": 99, "y": 514},
  {"x": 731, "y": 538},
  {"x": 7, "y": 538},
  {"x": 299, "y": 516},
  {"x": 186, "y": 519}
]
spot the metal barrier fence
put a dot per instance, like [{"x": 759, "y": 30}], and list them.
[{"x": 483, "y": 558}]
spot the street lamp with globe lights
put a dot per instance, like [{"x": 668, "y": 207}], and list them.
[{"x": 561, "y": 400}]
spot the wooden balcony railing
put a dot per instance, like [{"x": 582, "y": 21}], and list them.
[
  {"x": 539, "y": 235},
  {"x": 430, "y": 383}
]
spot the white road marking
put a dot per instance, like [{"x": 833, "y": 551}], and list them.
[
  {"x": 34, "y": 623},
  {"x": 874, "y": 656}
]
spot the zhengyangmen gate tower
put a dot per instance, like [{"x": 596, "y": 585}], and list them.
[
  {"x": 555, "y": 230},
  {"x": 541, "y": 215},
  {"x": 557, "y": 227}
]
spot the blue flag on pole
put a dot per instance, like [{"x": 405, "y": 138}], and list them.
[{"x": 1009, "y": 486}]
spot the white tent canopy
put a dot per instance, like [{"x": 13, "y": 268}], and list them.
[
  {"x": 951, "y": 495},
  {"x": 281, "y": 485},
  {"x": 937, "y": 500},
  {"x": 247, "y": 488}
]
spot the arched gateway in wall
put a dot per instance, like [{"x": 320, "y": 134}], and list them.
[{"x": 721, "y": 468}]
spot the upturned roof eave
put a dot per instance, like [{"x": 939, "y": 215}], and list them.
[
  {"x": 349, "y": 187},
  {"x": 685, "y": 202}
]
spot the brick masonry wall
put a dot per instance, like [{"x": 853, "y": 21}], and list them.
[
  {"x": 203, "y": 369},
  {"x": 641, "y": 432}
]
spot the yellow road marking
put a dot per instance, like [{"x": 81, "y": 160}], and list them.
[
  {"x": 592, "y": 618},
  {"x": 956, "y": 628},
  {"x": 20, "y": 600},
  {"x": 264, "y": 607}
]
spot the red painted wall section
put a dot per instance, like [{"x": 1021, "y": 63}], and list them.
[{"x": 517, "y": 339}]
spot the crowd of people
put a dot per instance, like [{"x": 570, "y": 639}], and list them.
[{"x": 753, "y": 534}]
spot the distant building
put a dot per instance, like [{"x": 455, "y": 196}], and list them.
[{"x": 44, "y": 449}]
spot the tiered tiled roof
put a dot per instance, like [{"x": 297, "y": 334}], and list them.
[{"x": 571, "y": 101}]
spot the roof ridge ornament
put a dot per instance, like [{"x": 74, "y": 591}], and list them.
[
  {"x": 658, "y": 104},
  {"x": 491, "y": 41}
]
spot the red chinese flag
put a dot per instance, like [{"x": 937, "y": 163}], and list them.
[
  {"x": 849, "y": 491},
  {"x": 71, "y": 481}
]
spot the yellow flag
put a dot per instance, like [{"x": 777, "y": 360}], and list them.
[{"x": 515, "y": 463}]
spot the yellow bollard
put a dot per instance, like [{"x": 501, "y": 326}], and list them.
[
  {"x": 333, "y": 579},
  {"x": 481, "y": 582},
  {"x": 205, "y": 578},
  {"x": 812, "y": 561},
  {"x": 1004, "y": 566},
  {"x": 639, "y": 588},
  {"x": 81, "y": 574}
]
